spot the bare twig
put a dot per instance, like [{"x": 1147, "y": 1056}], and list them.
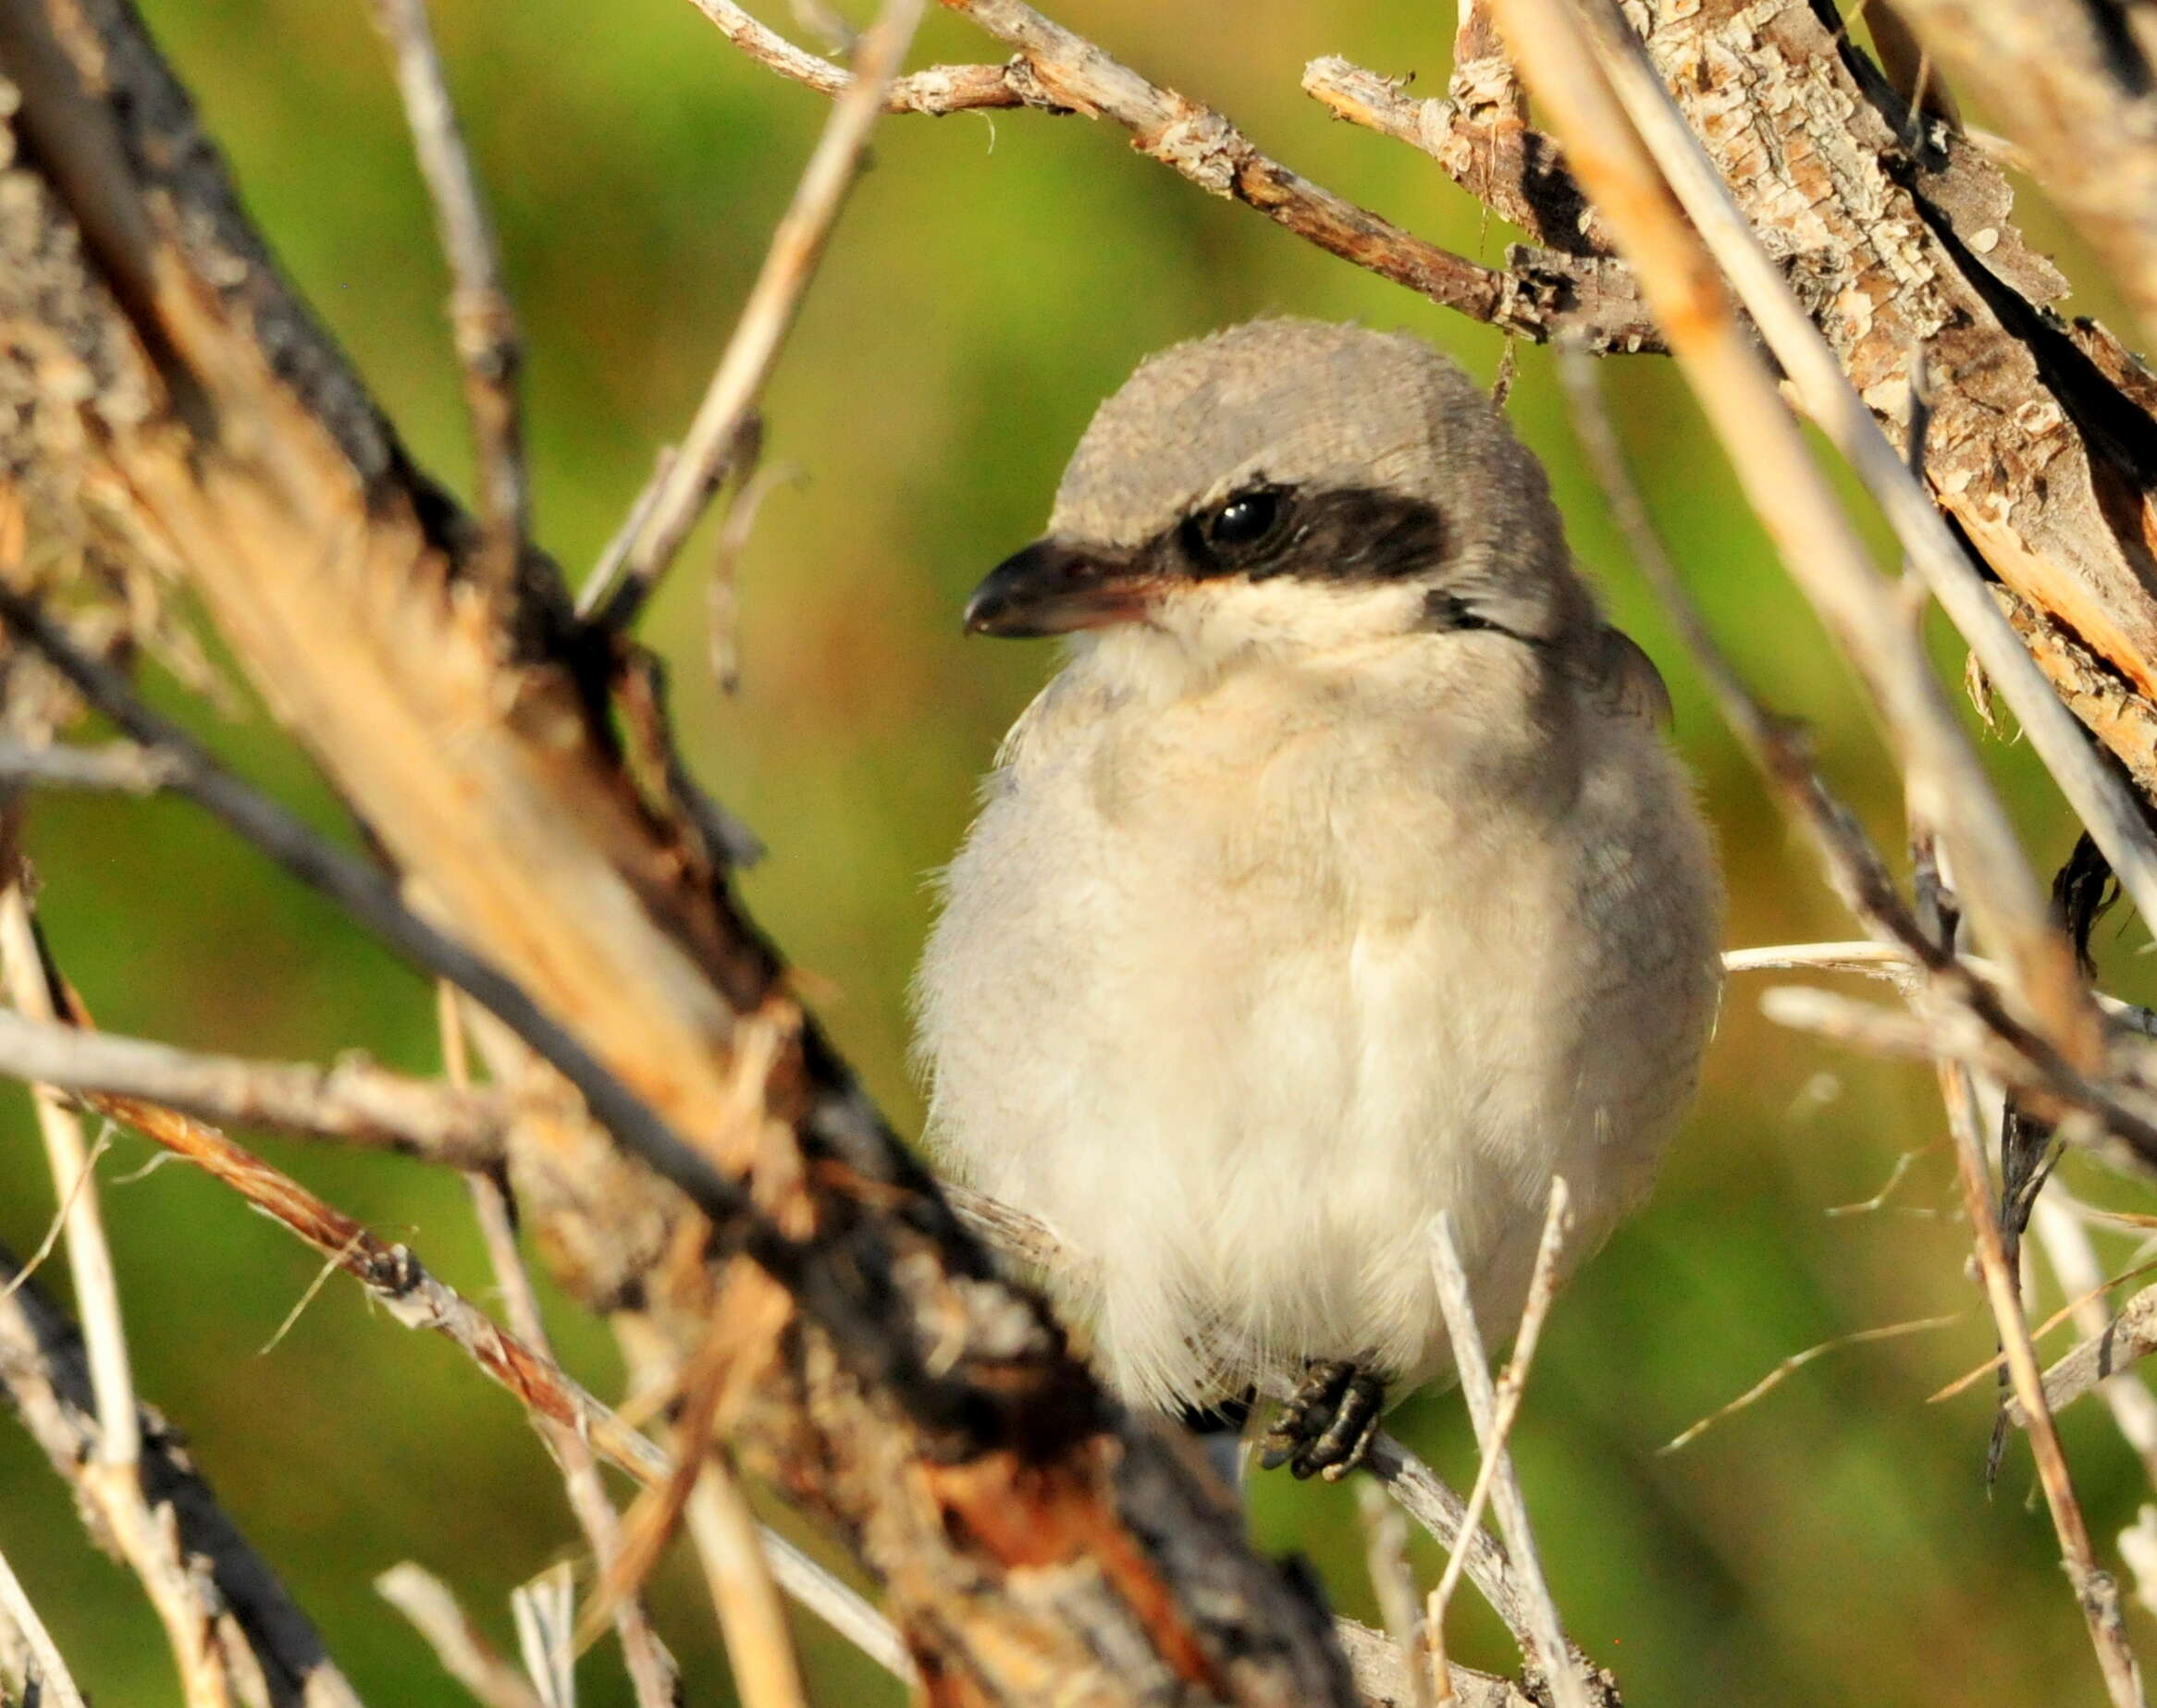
[
  {"x": 737, "y": 1573},
  {"x": 652, "y": 1674},
  {"x": 1937, "y": 1032},
  {"x": 838, "y": 1606},
  {"x": 1512, "y": 1384},
  {"x": 2095, "y": 1589},
  {"x": 1386, "y": 1555},
  {"x": 2066, "y": 1244},
  {"x": 417, "y": 1299},
  {"x": 354, "y": 1100},
  {"x": 46, "y": 1374},
  {"x": 88, "y": 1257},
  {"x": 1551, "y": 1652},
  {"x": 606, "y": 571},
  {"x": 937, "y": 89},
  {"x": 1796, "y": 1361},
  {"x": 117, "y": 767},
  {"x": 51, "y": 1676},
  {"x": 489, "y": 349},
  {"x": 2128, "y": 1337},
  {"x": 395, "y": 1277},
  {"x": 1060, "y": 71},
  {"x": 1484, "y": 145},
  {"x": 545, "y": 1610},
  {"x": 373, "y": 898},
  {"x": 494, "y": 1681},
  {"x": 112, "y": 1479},
  {"x": 797, "y": 247},
  {"x": 1431, "y": 1503},
  {"x": 1382, "y": 1674}
]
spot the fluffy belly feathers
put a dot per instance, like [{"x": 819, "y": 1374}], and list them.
[{"x": 1240, "y": 1080}]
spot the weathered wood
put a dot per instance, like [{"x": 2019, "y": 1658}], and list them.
[
  {"x": 169, "y": 387},
  {"x": 1898, "y": 235}
]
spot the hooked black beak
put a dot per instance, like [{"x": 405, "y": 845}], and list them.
[{"x": 1054, "y": 588}]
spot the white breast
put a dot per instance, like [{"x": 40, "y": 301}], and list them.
[{"x": 1238, "y": 984}]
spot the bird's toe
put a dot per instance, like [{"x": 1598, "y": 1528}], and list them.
[{"x": 1326, "y": 1430}]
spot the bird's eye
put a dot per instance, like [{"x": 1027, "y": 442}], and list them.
[
  {"x": 1239, "y": 530},
  {"x": 1245, "y": 520}
]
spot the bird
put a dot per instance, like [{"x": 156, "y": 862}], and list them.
[{"x": 1343, "y": 875}]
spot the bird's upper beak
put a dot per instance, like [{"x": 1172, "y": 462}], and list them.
[{"x": 1054, "y": 587}]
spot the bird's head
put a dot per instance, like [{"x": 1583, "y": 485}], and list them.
[{"x": 1289, "y": 485}]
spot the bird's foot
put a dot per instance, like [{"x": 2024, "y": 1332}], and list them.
[{"x": 1326, "y": 1430}]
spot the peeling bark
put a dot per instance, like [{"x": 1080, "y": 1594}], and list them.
[{"x": 1899, "y": 236}]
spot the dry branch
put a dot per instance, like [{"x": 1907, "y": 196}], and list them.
[
  {"x": 2042, "y": 448},
  {"x": 354, "y": 1100},
  {"x": 1061, "y": 71},
  {"x": 1482, "y": 140},
  {"x": 2130, "y": 1336},
  {"x": 489, "y": 349},
  {"x": 465, "y": 1654},
  {"x": 46, "y": 1375},
  {"x": 1024, "y": 1528},
  {"x": 715, "y": 440},
  {"x": 2073, "y": 87},
  {"x": 43, "y": 1669}
]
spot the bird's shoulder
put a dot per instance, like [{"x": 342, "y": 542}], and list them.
[{"x": 1621, "y": 680}]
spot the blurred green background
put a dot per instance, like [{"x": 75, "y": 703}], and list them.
[{"x": 992, "y": 279}]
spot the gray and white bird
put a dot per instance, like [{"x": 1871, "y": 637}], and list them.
[{"x": 1341, "y": 877}]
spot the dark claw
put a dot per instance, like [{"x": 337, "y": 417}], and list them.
[{"x": 1326, "y": 1430}]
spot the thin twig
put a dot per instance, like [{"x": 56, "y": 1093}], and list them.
[
  {"x": 1512, "y": 1384},
  {"x": 395, "y": 1277},
  {"x": 652, "y": 1673},
  {"x": 1796, "y": 1361},
  {"x": 372, "y": 898},
  {"x": 737, "y": 1573},
  {"x": 112, "y": 1481},
  {"x": 46, "y": 1375},
  {"x": 937, "y": 89},
  {"x": 489, "y": 349},
  {"x": 606, "y": 571},
  {"x": 2067, "y": 1248},
  {"x": 53, "y": 1677},
  {"x": 2129, "y": 1336},
  {"x": 1386, "y": 1557},
  {"x": 354, "y": 1100},
  {"x": 1550, "y": 1650},
  {"x": 1060, "y": 71},
  {"x": 1940, "y": 1032},
  {"x": 115, "y": 767},
  {"x": 1484, "y": 145},
  {"x": 2095, "y": 1590},
  {"x": 88, "y": 1257},
  {"x": 797, "y": 247},
  {"x": 838, "y": 1606},
  {"x": 545, "y": 1610},
  {"x": 465, "y": 1654}
]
